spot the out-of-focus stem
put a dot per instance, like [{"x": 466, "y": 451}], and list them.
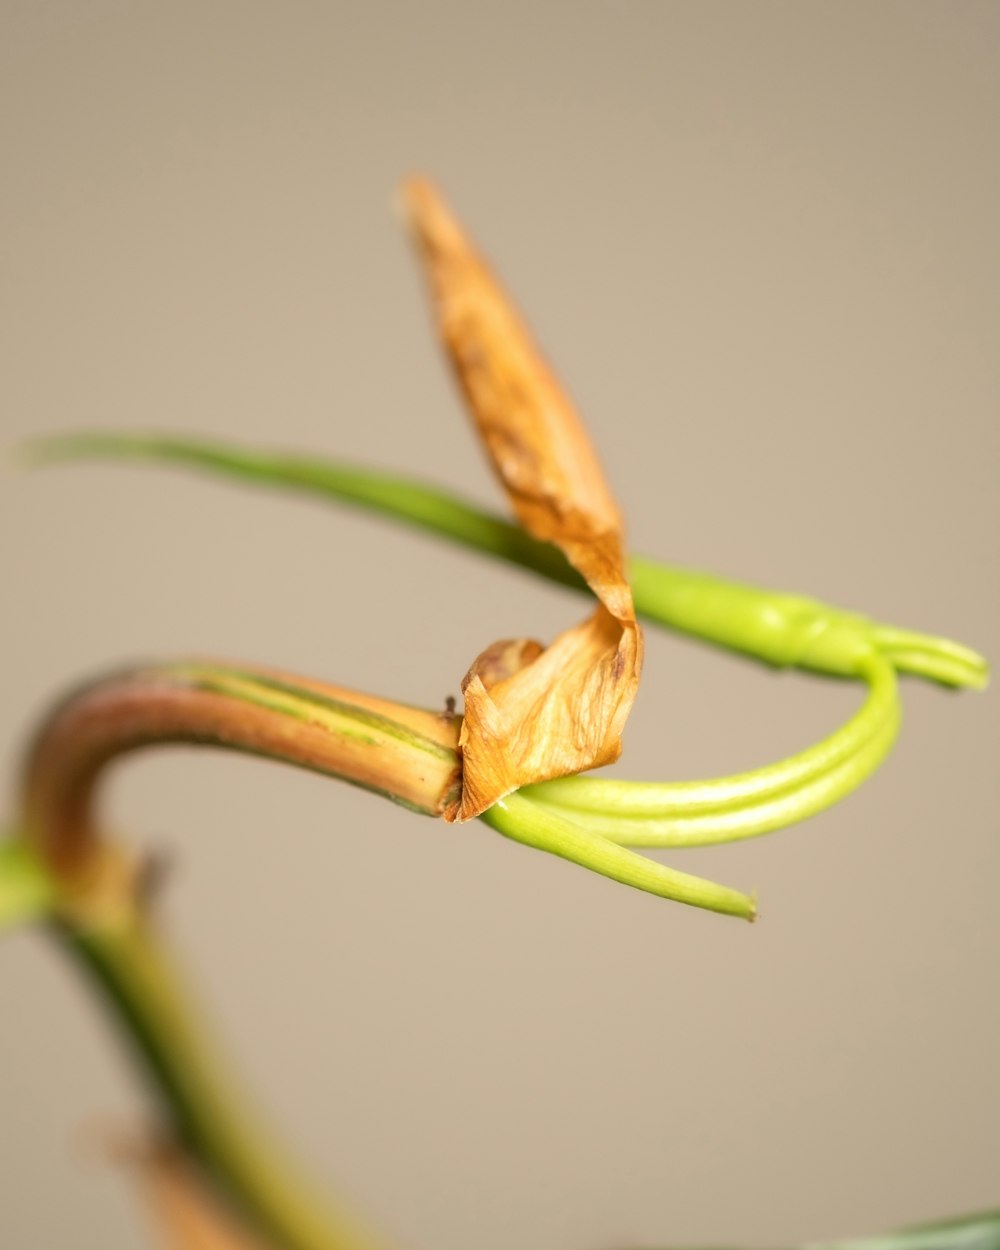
[
  {"x": 208, "y": 1117},
  {"x": 404, "y": 753},
  {"x": 26, "y": 889}
]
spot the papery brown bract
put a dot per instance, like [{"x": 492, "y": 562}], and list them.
[{"x": 553, "y": 711}]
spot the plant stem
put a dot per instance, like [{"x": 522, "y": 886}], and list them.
[
  {"x": 547, "y": 829},
  {"x": 404, "y": 753},
  {"x": 775, "y": 627},
  {"x": 26, "y": 889},
  {"x": 726, "y": 809},
  {"x": 128, "y": 964}
]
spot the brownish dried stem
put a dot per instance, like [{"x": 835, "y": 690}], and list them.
[{"x": 404, "y": 753}]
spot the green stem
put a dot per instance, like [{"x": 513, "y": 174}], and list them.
[
  {"x": 26, "y": 890},
  {"x": 635, "y": 798},
  {"x": 776, "y": 628},
  {"x": 403, "y": 753},
  {"x": 773, "y": 627},
  {"x": 582, "y": 820},
  {"x": 710, "y": 826},
  {"x": 128, "y": 964},
  {"x": 545, "y": 829},
  {"x": 697, "y": 813}
]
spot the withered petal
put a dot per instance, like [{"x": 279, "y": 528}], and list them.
[{"x": 531, "y": 717}]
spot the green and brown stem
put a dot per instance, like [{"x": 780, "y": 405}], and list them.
[
  {"x": 401, "y": 752},
  {"x": 404, "y": 753},
  {"x": 778, "y": 628}
]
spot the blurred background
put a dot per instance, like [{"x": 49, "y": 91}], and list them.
[{"x": 759, "y": 242}]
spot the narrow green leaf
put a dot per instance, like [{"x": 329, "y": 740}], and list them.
[
  {"x": 978, "y": 1232},
  {"x": 776, "y": 627},
  {"x": 972, "y": 1232},
  {"x": 544, "y": 829}
]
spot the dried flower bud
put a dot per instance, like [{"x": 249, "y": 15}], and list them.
[{"x": 560, "y": 709}]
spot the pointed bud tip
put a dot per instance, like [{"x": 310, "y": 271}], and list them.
[{"x": 423, "y": 211}]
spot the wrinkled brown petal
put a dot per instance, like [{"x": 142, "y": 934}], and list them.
[{"x": 531, "y": 713}]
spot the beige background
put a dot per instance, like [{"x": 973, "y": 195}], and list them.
[{"x": 760, "y": 243}]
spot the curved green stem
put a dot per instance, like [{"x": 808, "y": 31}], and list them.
[
  {"x": 546, "y": 829},
  {"x": 406, "y": 754},
  {"x": 403, "y": 753},
  {"x": 791, "y": 630},
  {"x": 588, "y": 821},
  {"x": 937, "y": 659},
  {"x": 877, "y": 718},
  {"x": 210, "y": 1118},
  {"x": 710, "y": 825},
  {"x": 779, "y": 629},
  {"x": 774, "y": 627},
  {"x": 95, "y": 893}
]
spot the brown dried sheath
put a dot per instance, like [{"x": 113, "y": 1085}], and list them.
[{"x": 531, "y": 714}]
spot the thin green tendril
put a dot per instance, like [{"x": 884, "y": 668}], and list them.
[{"x": 543, "y": 828}]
